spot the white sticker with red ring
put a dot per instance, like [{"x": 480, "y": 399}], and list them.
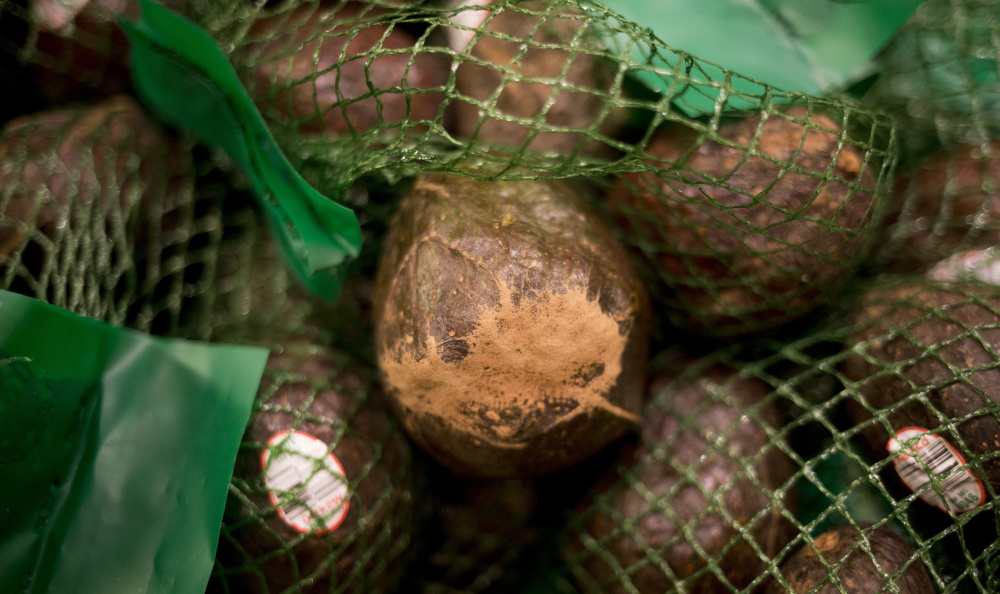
[
  {"x": 981, "y": 265},
  {"x": 310, "y": 480},
  {"x": 920, "y": 452}
]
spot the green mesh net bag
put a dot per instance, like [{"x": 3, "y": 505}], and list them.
[
  {"x": 744, "y": 219},
  {"x": 107, "y": 214},
  {"x": 57, "y": 52},
  {"x": 741, "y": 220},
  {"x": 857, "y": 458}
]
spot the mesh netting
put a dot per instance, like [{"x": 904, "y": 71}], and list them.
[
  {"x": 746, "y": 459},
  {"x": 110, "y": 216},
  {"x": 323, "y": 489},
  {"x": 743, "y": 223},
  {"x": 940, "y": 81},
  {"x": 741, "y": 220},
  {"x": 66, "y": 50}
]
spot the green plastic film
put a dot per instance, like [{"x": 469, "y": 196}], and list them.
[
  {"x": 116, "y": 453},
  {"x": 805, "y": 47},
  {"x": 183, "y": 77}
]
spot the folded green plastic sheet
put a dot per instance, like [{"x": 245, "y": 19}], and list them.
[
  {"x": 183, "y": 77},
  {"x": 116, "y": 450},
  {"x": 805, "y": 46}
]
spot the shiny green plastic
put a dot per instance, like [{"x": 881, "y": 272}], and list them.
[
  {"x": 810, "y": 47},
  {"x": 183, "y": 76},
  {"x": 116, "y": 450}
]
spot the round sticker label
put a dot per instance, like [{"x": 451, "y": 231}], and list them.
[
  {"x": 309, "y": 481},
  {"x": 921, "y": 454}
]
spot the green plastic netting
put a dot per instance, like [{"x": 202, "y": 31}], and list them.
[
  {"x": 755, "y": 217},
  {"x": 323, "y": 489},
  {"x": 940, "y": 82},
  {"x": 746, "y": 457},
  {"x": 759, "y": 217}
]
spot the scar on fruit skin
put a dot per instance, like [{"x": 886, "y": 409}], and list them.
[{"x": 556, "y": 346}]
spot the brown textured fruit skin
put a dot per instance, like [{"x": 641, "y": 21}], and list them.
[
  {"x": 257, "y": 545},
  {"x": 945, "y": 205},
  {"x": 935, "y": 315},
  {"x": 80, "y": 53},
  {"x": 509, "y": 327},
  {"x": 296, "y": 73},
  {"x": 805, "y": 571},
  {"x": 764, "y": 263},
  {"x": 63, "y": 171},
  {"x": 525, "y": 100},
  {"x": 688, "y": 449}
]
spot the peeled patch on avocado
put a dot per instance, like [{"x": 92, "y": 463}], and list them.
[
  {"x": 514, "y": 355},
  {"x": 510, "y": 328}
]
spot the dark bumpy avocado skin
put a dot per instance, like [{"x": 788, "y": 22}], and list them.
[
  {"x": 945, "y": 206},
  {"x": 309, "y": 69},
  {"x": 510, "y": 328},
  {"x": 67, "y": 170},
  {"x": 661, "y": 525},
  {"x": 733, "y": 264},
  {"x": 497, "y": 58},
  {"x": 80, "y": 53},
  {"x": 259, "y": 551},
  {"x": 936, "y": 316},
  {"x": 805, "y": 571}
]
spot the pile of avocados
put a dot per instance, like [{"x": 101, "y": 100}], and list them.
[{"x": 540, "y": 380}]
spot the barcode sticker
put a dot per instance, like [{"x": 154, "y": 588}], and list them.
[
  {"x": 921, "y": 454},
  {"x": 305, "y": 482}
]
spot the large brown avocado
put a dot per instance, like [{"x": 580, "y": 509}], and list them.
[
  {"x": 861, "y": 563},
  {"x": 926, "y": 360},
  {"x": 509, "y": 327},
  {"x": 694, "y": 501},
  {"x": 754, "y": 230},
  {"x": 359, "y": 482},
  {"x": 89, "y": 179},
  {"x": 312, "y": 66},
  {"x": 535, "y": 69}
]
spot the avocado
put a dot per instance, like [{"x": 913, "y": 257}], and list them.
[
  {"x": 322, "y": 494},
  {"x": 312, "y": 69},
  {"x": 510, "y": 329},
  {"x": 696, "y": 498},
  {"x": 924, "y": 359},
  {"x": 752, "y": 228},
  {"x": 82, "y": 189},
  {"x": 521, "y": 62},
  {"x": 861, "y": 562}
]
